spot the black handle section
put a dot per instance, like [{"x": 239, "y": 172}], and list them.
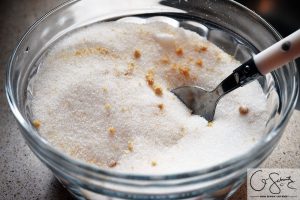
[{"x": 242, "y": 75}]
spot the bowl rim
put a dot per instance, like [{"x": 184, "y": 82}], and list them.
[{"x": 246, "y": 157}]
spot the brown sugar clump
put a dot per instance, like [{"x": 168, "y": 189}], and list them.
[
  {"x": 199, "y": 62},
  {"x": 107, "y": 106},
  {"x": 165, "y": 60},
  {"x": 90, "y": 51},
  {"x": 182, "y": 131},
  {"x": 174, "y": 67},
  {"x": 112, "y": 163},
  {"x": 112, "y": 131},
  {"x": 243, "y": 110},
  {"x": 150, "y": 81},
  {"x": 218, "y": 57},
  {"x": 149, "y": 78},
  {"x": 200, "y": 49},
  {"x": 82, "y": 52},
  {"x": 78, "y": 53},
  {"x": 36, "y": 123},
  {"x": 130, "y": 69},
  {"x": 130, "y": 146},
  {"x": 161, "y": 106},
  {"x": 185, "y": 71},
  {"x": 137, "y": 54},
  {"x": 102, "y": 50},
  {"x": 210, "y": 124},
  {"x": 158, "y": 90},
  {"x": 153, "y": 163},
  {"x": 92, "y": 160},
  {"x": 203, "y": 49},
  {"x": 179, "y": 51},
  {"x": 104, "y": 89}
]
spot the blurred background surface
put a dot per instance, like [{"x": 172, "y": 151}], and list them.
[{"x": 282, "y": 14}]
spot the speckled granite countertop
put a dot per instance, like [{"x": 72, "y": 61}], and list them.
[{"x": 22, "y": 175}]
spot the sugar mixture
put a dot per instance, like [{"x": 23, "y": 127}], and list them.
[{"x": 102, "y": 95}]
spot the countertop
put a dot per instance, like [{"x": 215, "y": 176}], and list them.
[{"x": 22, "y": 175}]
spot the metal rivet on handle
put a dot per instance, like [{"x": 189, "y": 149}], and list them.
[
  {"x": 247, "y": 69},
  {"x": 286, "y": 46}
]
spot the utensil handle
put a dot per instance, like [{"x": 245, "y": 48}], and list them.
[
  {"x": 242, "y": 75},
  {"x": 278, "y": 54},
  {"x": 266, "y": 61}
]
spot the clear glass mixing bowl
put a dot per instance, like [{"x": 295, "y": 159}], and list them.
[{"x": 232, "y": 27}]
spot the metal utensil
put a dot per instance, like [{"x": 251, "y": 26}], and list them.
[{"x": 203, "y": 102}]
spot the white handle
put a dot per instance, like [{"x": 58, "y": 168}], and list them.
[{"x": 278, "y": 54}]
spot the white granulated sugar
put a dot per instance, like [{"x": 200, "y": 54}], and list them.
[{"x": 95, "y": 99}]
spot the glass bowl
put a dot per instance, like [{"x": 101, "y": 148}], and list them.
[{"x": 231, "y": 26}]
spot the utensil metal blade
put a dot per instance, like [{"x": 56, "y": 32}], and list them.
[{"x": 197, "y": 99}]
